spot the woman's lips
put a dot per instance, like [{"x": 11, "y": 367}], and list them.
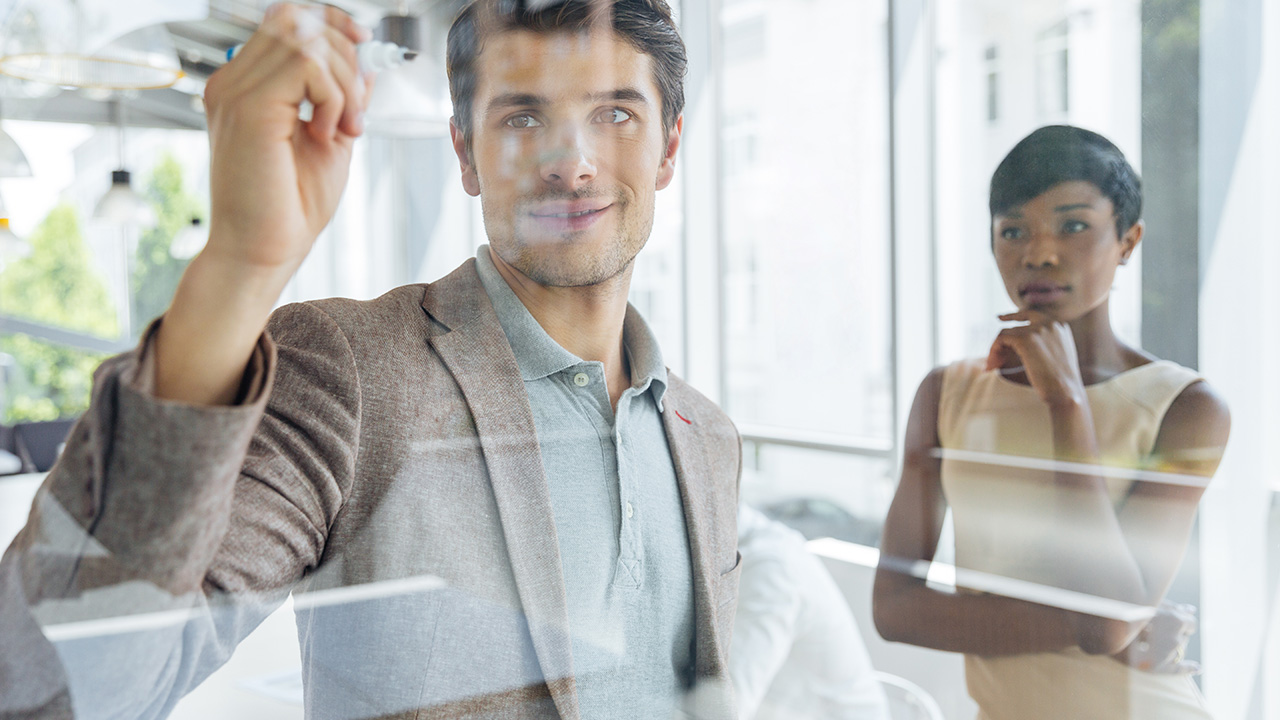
[{"x": 1042, "y": 293}]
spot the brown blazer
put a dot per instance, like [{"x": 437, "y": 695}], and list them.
[{"x": 378, "y": 440}]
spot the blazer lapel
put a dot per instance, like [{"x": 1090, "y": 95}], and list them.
[
  {"x": 477, "y": 353},
  {"x": 685, "y": 437}
]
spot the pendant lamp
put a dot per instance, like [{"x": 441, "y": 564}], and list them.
[{"x": 122, "y": 204}]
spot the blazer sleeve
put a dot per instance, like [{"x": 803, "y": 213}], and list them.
[{"x": 157, "y": 506}]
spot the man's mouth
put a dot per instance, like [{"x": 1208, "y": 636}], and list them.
[
  {"x": 569, "y": 215},
  {"x": 570, "y": 208},
  {"x": 565, "y": 215}
]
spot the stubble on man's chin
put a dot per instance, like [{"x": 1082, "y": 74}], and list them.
[
  {"x": 548, "y": 270},
  {"x": 567, "y": 266}
]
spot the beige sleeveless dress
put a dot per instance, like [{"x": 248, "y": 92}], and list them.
[{"x": 1004, "y": 527}]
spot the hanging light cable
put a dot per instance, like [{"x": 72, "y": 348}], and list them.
[{"x": 121, "y": 204}]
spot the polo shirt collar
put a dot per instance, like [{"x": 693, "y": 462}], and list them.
[{"x": 538, "y": 356}]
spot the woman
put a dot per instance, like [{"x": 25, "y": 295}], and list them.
[{"x": 1066, "y": 540}]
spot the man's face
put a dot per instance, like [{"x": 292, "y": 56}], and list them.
[{"x": 567, "y": 151}]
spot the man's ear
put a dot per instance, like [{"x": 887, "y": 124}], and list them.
[
  {"x": 470, "y": 181},
  {"x": 1130, "y": 241},
  {"x": 667, "y": 170}
]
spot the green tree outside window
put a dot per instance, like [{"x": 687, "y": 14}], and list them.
[
  {"x": 156, "y": 272},
  {"x": 54, "y": 285},
  {"x": 57, "y": 285}
]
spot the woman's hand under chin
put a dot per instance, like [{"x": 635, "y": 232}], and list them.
[{"x": 1046, "y": 350}]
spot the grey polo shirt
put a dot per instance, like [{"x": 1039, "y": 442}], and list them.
[{"x": 618, "y": 514}]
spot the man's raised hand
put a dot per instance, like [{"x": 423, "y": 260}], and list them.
[{"x": 275, "y": 181}]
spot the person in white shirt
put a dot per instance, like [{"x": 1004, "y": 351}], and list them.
[{"x": 797, "y": 652}]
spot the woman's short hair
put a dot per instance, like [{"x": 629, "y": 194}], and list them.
[{"x": 1062, "y": 153}]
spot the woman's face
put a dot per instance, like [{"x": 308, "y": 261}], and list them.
[{"x": 1058, "y": 252}]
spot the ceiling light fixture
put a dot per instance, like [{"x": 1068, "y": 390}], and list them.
[
  {"x": 122, "y": 204},
  {"x": 86, "y": 44}
]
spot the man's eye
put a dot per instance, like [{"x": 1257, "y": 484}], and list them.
[
  {"x": 1074, "y": 226},
  {"x": 1011, "y": 233},
  {"x": 613, "y": 116},
  {"x": 522, "y": 122}
]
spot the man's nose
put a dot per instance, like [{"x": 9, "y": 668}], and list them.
[{"x": 568, "y": 162}]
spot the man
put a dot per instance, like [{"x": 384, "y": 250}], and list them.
[{"x": 509, "y": 430}]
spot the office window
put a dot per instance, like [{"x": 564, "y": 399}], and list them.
[
  {"x": 805, "y": 230},
  {"x": 84, "y": 287},
  {"x": 993, "y": 84},
  {"x": 1053, "y": 69}
]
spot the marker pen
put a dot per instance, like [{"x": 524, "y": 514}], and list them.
[{"x": 371, "y": 57}]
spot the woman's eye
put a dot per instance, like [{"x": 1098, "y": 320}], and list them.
[
  {"x": 1075, "y": 226},
  {"x": 1011, "y": 233},
  {"x": 521, "y": 122},
  {"x": 613, "y": 116}
]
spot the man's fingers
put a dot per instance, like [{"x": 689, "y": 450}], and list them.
[
  {"x": 294, "y": 25},
  {"x": 325, "y": 94},
  {"x": 342, "y": 21},
  {"x": 343, "y": 64},
  {"x": 317, "y": 45}
]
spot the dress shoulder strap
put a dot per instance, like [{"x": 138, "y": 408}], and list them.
[
  {"x": 1156, "y": 385},
  {"x": 957, "y": 380}
]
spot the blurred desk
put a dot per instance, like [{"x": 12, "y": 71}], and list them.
[{"x": 16, "y": 493}]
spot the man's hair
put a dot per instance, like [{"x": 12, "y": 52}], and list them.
[
  {"x": 1062, "y": 153},
  {"x": 646, "y": 24}
]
